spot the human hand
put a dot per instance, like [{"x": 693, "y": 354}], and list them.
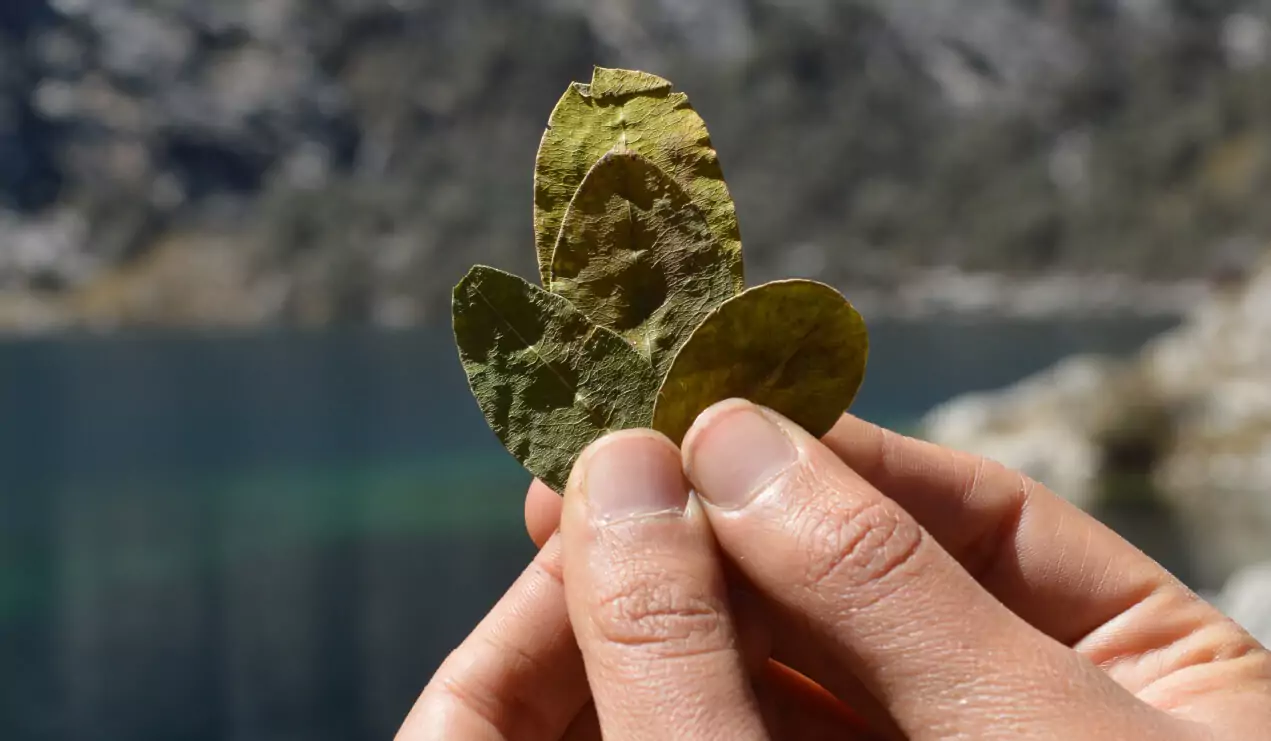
[
  {"x": 520, "y": 675},
  {"x": 940, "y": 594}
]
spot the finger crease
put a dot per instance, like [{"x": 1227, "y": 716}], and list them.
[
  {"x": 549, "y": 567},
  {"x": 1136, "y": 599},
  {"x": 511, "y": 716},
  {"x": 997, "y": 546},
  {"x": 867, "y": 540}
]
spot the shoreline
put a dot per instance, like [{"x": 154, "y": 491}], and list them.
[
  {"x": 951, "y": 293},
  {"x": 943, "y": 293}
]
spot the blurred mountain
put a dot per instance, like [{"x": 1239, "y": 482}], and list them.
[{"x": 319, "y": 161}]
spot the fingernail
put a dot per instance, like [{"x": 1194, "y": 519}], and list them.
[
  {"x": 634, "y": 474},
  {"x": 733, "y": 451}
]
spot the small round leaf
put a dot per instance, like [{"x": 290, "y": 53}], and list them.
[{"x": 797, "y": 347}]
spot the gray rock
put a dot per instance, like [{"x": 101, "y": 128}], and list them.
[
  {"x": 1194, "y": 406},
  {"x": 1043, "y": 426},
  {"x": 1217, "y": 473}
]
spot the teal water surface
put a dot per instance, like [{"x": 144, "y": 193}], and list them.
[{"x": 280, "y": 535}]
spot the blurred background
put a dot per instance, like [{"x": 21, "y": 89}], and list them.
[{"x": 244, "y": 492}]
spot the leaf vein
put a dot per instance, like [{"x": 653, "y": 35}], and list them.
[{"x": 532, "y": 347}]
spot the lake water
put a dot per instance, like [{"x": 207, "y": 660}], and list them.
[{"x": 279, "y": 536}]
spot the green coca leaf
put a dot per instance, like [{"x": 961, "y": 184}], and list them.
[
  {"x": 628, "y": 111},
  {"x": 548, "y": 380},
  {"x": 797, "y": 347},
  {"x": 636, "y": 256}
]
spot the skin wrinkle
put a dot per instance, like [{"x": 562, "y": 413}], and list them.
[
  {"x": 845, "y": 550},
  {"x": 983, "y": 552},
  {"x": 815, "y": 488},
  {"x": 1183, "y": 691},
  {"x": 651, "y": 602},
  {"x": 973, "y": 484},
  {"x": 511, "y": 717},
  {"x": 1053, "y": 564},
  {"x": 1103, "y": 644},
  {"x": 652, "y": 672},
  {"x": 647, "y": 600},
  {"x": 527, "y": 662},
  {"x": 1208, "y": 643},
  {"x": 849, "y": 556},
  {"x": 999, "y": 547},
  {"x": 550, "y": 567},
  {"x": 660, "y": 617},
  {"x": 1001, "y": 538},
  {"x": 1086, "y": 544},
  {"x": 1206, "y": 673},
  {"x": 890, "y": 457},
  {"x": 830, "y": 530},
  {"x": 457, "y": 690},
  {"x": 1185, "y": 639},
  {"x": 889, "y": 447},
  {"x": 1104, "y": 578}
]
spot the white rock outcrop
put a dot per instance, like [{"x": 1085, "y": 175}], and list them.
[{"x": 1197, "y": 399}]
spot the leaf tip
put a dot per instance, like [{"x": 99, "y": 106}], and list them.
[
  {"x": 478, "y": 275},
  {"x": 619, "y": 83}
]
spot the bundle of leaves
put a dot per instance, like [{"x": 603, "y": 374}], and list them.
[{"x": 642, "y": 320}]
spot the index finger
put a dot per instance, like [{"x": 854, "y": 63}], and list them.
[
  {"x": 1060, "y": 569},
  {"x": 1053, "y": 564},
  {"x": 879, "y": 597}
]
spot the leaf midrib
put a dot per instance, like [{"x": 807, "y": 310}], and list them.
[{"x": 533, "y": 346}]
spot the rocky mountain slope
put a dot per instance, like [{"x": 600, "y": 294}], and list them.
[{"x": 319, "y": 161}]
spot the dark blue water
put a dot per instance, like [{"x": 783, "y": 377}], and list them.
[{"x": 279, "y": 536}]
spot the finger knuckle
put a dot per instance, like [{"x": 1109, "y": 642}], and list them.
[
  {"x": 455, "y": 701},
  {"x": 852, "y": 544},
  {"x": 994, "y": 546},
  {"x": 548, "y": 569},
  {"x": 658, "y": 616}
]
